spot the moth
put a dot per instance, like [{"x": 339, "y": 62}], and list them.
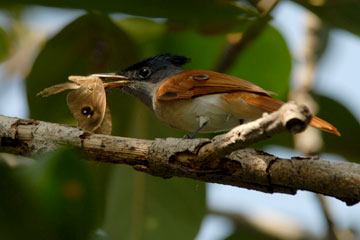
[{"x": 87, "y": 101}]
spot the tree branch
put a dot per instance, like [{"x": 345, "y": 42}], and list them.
[{"x": 201, "y": 159}]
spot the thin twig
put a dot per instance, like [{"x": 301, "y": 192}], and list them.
[
  {"x": 331, "y": 234},
  {"x": 269, "y": 228},
  {"x": 239, "y": 43}
]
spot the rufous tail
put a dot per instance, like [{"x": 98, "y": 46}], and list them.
[
  {"x": 271, "y": 104},
  {"x": 323, "y": 125}
]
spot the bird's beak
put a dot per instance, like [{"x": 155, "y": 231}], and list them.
[{"x": 113, "y": 79}]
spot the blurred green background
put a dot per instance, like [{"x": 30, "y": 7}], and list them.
[{"x": 63, "y": 196}]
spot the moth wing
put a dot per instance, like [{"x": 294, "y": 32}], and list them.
[
  {"x": 106, "y": 125},
  {"x": 88, "y": 104},
  {"x": 57, "y": 89}
]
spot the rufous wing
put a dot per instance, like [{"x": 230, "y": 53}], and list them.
[{"x": 194, "y": 83}]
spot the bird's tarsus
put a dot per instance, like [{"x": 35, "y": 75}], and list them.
[{"x": 202, "y": 125}]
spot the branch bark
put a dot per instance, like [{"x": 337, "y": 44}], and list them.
[{"x": 216, "y": 160}]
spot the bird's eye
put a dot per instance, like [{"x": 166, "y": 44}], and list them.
[{"x": 144, "y": 72}]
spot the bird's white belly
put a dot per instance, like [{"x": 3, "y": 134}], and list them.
[{"x": 188, "y": 114}]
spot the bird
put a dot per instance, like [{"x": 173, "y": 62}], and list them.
[{"x": 197, "y": 101}]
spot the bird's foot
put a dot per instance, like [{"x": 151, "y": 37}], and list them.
[{"x": 188, "y": 136}]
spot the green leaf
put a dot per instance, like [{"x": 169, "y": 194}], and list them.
[
  {"x": 144, "y": 32},
  {"x": 19, "y": 218},
  {"x": 90, "y": 44},
  {"x": 144, "y": 207},
  {"x": 64, "y": 189},
  {"x": 340, "y": 13},
  {"x": 347, "y": 144},
  {"x": 53, "y": 198},
  {"x": 284, "y": 139},
  {"x": 4, "y": 45},
  {"x": 266, "y": 62},
  {"x": 203, "y": 50},
  {"x": 208, "y": 16}
]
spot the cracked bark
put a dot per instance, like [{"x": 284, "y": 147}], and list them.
[{"x": 216, "y": 160}]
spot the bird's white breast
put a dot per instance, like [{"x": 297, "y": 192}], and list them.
[{"x": 187, "y": 114}]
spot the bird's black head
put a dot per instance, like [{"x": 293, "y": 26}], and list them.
[
  {"x": 143, "y": 78},
  {"x": 155, "y": 69}
]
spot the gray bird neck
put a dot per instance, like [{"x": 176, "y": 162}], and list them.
[{"x": 146, "y": 90}]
